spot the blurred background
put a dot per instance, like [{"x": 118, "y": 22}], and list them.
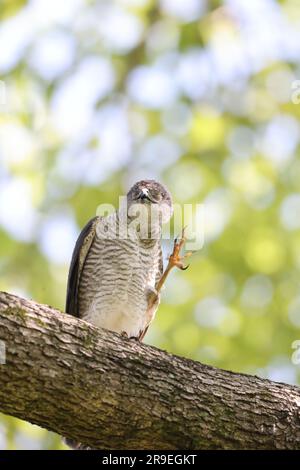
[{"x": 202, "y": 95}]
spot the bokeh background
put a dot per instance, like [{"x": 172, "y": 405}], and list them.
[{"x": 201, "y": 95}]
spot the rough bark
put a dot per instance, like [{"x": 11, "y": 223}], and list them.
[{"x": 108, "y": 392}]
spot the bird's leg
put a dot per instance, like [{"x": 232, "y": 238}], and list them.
[{"x": 175, "y": 260}]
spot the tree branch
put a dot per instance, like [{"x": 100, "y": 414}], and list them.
[{"x": 93, "y": 386}]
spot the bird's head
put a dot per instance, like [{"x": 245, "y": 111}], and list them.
[{"x": 153, "y": 195}]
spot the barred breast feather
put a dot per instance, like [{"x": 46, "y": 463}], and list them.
[{"x": 111, "y": 278}]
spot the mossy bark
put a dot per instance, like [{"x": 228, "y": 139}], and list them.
[{"x": 108, "y": 392}]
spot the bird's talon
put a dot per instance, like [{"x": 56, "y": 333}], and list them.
[
  {"x": 134, "y": 338},
  {"x": 184, "y": 268}
]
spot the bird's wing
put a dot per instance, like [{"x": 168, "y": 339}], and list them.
[{"x": 80, "y": 252}]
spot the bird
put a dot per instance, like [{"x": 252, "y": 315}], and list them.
[{"x": 116, "y": 273}]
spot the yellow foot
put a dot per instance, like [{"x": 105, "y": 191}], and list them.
[{"x": 176, "y": 260}]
